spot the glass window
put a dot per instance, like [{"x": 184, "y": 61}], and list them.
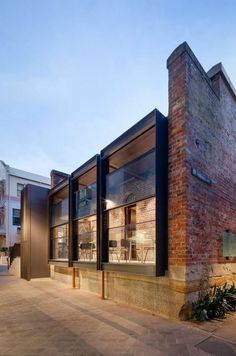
[
  {"x": 16, "y": 217},
  {"x": 59, "y": 242},
  {"x": 86, "y": 230},
  {"x": 2, "y": 189},
  {"x": 2, "y": 216},
  {"x": 85, "y": 220},
  {"x": 86, "y": 194},
  {"x": 86, "y": 200},
  {"x": 134, "y": 149},
  {"x": 131, "y": 233},
  {"x": 132, "y": 182},
  {"x": 60, "y": 207},
  {"x": 20, "y": 187}
]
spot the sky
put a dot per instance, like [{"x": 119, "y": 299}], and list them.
[{"x": 75, "y": 74}]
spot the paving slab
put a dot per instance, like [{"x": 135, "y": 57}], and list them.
[{"x": 45, "y": 317}]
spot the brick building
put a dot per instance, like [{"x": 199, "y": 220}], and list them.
[{"x": 152, "y": 219}]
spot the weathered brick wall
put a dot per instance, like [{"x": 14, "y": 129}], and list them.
[
  {"x": 57, "y": 177},
  {"x": 202, "y": 134},
  {"x": 177, "y": 156}
]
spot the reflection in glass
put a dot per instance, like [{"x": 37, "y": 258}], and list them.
[
  {"x": 87, "y": 238},
  {"x": 132, "y": 182},
  {"x": 131, "y": 233},
  {"x": 85, "y": 201},
  {"x": 59, "y": 242},
  {"x": 59, "y": 207}
]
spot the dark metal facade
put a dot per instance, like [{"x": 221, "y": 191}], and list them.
[{"x": 34, "y": 242}]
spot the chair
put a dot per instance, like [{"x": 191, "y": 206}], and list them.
[
  {"x": 87, "y": 250},
  {"x": 113, "y": 249},
  {"x": 124, "y": 250},
  {"x": 83, "y": 250}
]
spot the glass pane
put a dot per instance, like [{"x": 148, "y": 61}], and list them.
[
  {"x": 132, "y": 182},
  {"x": 87, "y": 238},
  {"x": 131, "y": 233},
  {"x": 86, "y": 201},
  {"x": 134, "y": 149},
  {"x": 16, "y": 217},
  {"x": 134, "y": 243},
  {"x": 59, "y": 242},
  {"x": 60, "y": 207}
]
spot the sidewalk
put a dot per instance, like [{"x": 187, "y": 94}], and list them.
[{"x": 44, "y": 317}]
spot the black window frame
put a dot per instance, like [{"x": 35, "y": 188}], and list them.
[
  {"x": 94, "y": 162},
  {"x": 52, "y": 193},
  {"x": 160, "y": 123}
]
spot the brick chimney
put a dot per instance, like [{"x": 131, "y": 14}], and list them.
[{"x": 57, "y": 177}]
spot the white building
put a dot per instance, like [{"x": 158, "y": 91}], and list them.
[{"x": 12, "y": 181}]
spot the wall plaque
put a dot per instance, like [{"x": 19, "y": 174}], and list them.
[
  {"x": 229, "y": 244},
  {"x": 201, "y": 176}
]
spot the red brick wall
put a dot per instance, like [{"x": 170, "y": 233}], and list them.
[{"x": 202, "y": 135}]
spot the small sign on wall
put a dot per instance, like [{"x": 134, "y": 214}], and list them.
[
  {"x": 201, "y": 176},
  {"x": 229, "y": 244}
]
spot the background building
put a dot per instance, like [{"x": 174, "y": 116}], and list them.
[{"x": 12, "y": 181}]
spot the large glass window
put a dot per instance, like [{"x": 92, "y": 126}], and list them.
[
  {"x": 130, "y": 201},
  {"x": 132, "y": 182},
  {"x": 86, "y": 230},
  {"x": 86, "y": 194},
  {"x": 59, "y": 207},
  {"x": 85, "y": 222},
  {"x": 59, "y": 242},
  {"x": 131, "y": 233},
  {"x": 86, "y": 200}
]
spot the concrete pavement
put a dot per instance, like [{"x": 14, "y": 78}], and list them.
[{"x": 44, "y": 317}]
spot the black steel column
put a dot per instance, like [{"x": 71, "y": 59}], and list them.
[
  {"x": 161, "y": 194},
  {"x": 104, "y": 253},
  {"x": 98, "y": 216},
  {"x": 50, "y": 245},
  {"x": 70, "y": 226}
]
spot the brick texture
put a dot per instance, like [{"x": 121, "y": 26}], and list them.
[
  {"x": 202, "y": 135},
  {"x": 57, "y": 177}
]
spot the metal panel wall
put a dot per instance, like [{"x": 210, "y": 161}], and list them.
[{"x": 34, "y": 238}]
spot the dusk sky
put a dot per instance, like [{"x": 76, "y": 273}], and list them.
[{"x": 75, "y": 74}]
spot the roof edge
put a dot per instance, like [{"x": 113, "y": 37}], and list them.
[{"x": 219, "y": 69}]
